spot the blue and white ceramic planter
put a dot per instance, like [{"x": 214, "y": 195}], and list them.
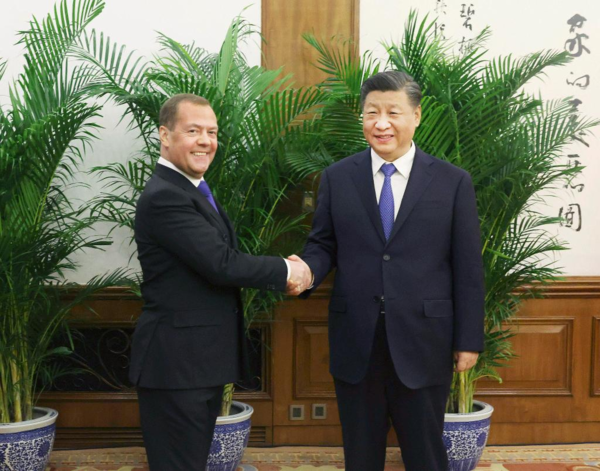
[
  {"x": 26, "y": 446},
  {"x": 465, "y": 436},
  {"x": 230, "y": 439}
]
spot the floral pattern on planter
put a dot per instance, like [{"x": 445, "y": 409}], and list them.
[
  {"x": 26, "y": 451},
  {"x": 227, "y": 448},
  {"x": 465, "y": 442}
]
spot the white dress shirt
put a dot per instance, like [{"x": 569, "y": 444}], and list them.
[
  {"x": 196, "y": 182},
  {"x": 172, "y": 166},
  {"x": 399, "y": 177}
]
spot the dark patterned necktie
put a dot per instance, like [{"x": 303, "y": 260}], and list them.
[
  {"x": 205, "y": 190},
  {"x": 386, "y": 200}
]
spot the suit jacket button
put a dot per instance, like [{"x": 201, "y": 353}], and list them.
[
  {"x": 376, "y": 299},
  {"x": 387, "y": 258},
  {"x": 271, "y": 287},
  {"x": 225, "y": 237}
]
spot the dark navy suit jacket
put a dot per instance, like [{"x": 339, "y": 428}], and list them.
[
  {"x": 191, "y": 331},
  {"x": 429, "y": 271}
]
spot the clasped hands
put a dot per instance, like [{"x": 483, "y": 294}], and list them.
[{"x": 300, "y": 277}]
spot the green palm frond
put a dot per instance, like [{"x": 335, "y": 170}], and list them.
[
  {"x": 419, "y": 48},
  {"x": 187, "y": 58},
  {"x": 339, "y": 125},
  {"x": 261, "y": 119},
  {"x": 121, "y": 71},
  {"x": 45, "y": 131}
]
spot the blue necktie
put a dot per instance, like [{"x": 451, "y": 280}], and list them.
[
  {"x": 386, "y": 200},
  {"x": 205, "y": 190}
]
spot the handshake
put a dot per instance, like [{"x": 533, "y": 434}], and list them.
[{"x": 301, "y": 277}]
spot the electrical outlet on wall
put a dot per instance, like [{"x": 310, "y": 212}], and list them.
[
  {"x": 319, "y": 411},
  {"x": 296, "y": 412}
]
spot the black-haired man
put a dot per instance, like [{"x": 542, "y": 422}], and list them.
[{"x": 402, "y": 230}]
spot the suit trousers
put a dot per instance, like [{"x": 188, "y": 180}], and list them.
[
  {"x": 367, "y": 410},
  {"x": 178, "y": 426}
]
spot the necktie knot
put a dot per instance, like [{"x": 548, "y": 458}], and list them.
[
  {"x": 204, "y": 188},
  {"x": 388, "y": 169}
]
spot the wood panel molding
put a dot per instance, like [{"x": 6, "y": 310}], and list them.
[
  {"x": 544, "y": 363},
  {"x": 595, "y": 376},
  {"x": 570, "y": 287},
  {"x": 311, "y": 362}
]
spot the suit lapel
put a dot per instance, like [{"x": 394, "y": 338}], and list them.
[
  {"x": 362, "y": 176},
  {"x": 179, "y": 180},
  {"x": 420, "y": 177}
]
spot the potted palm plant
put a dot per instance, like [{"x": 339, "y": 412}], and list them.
[
  {"x": 477, "y": 116},
  {"x": 43, "y": 132},
  {"x": 260, "y": 118}
]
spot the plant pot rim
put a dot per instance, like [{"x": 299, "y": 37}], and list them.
[
  {"x": 484, "y": 413},
  {"x": 48, "y": 417},
  {"x": 246, "y": 411}
]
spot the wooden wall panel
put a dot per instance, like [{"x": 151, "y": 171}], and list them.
[
  {"x": 283, "y": 24},
  {"x": 544, "y": 364},
  {"x": 523, "y": 418},
  {"x": 558, "y": 339},
  {"x": 288, "y": 363},
  {"x": 311, "y": 366},
  {"x": 547, "y": 394},
  {"x": 90, "y": 419}
]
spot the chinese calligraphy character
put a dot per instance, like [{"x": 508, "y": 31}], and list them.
[
  {"x": 439, "y": 30},
  {"x": 579, "y": 137},
  {"x": 576, "y": 44},
  {"x": 467, "y": 13},
  {"x": 571, "y": 217},
  {"x": 465, "y": 45},
  {"x": 575, "y": 103},
  {"x": 581, "y": 82},
  {"x": 579, "y": 187},
  {"x": 440, "y": 7},
  {"x": 576, "y": 21}
]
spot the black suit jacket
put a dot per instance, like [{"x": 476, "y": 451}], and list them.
[
  {"x": 429, "y": 271},
  {"x": 191, "y": 331}
]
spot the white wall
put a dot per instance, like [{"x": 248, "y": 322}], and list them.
[
  {"x": 520, "y": 27},
  {"x": 133, "y": 23}
]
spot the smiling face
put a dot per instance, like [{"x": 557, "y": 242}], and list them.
[
  {"x": 389, "y": 123},
  {"x": 192, "y": 143}
]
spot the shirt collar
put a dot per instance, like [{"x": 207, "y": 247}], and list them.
[
  {"x": 171, "y": 165},
  {"x": 403, "y": 164}
]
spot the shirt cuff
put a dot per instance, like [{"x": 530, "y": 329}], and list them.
[{"x": 289, "y": 270}]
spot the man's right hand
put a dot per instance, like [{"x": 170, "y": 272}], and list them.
[{"x": 300, "y": 277}]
